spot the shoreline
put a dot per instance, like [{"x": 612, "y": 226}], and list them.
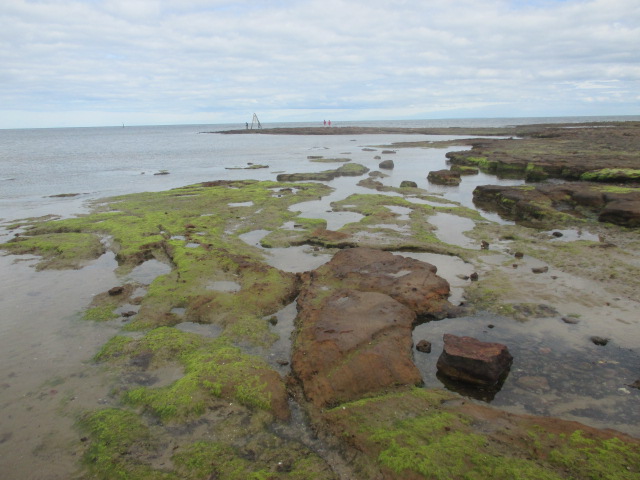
[{"x": 383, "y": 214}]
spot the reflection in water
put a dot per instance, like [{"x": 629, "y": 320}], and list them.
[
  {"x": 146, "y": 272},
  {"x": 292, "y": 259},
  {"x": 554, "y": 371},
  {"x": 206, "y": 330},
  {"x": 451, "y": 228}
]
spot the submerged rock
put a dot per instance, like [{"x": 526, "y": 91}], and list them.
[{"x": 469, "y": 360}]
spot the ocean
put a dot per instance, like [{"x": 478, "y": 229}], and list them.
[{"x": 46, "y": 375}]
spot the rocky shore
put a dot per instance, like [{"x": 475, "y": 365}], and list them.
[{"x": 349, "y": 399}]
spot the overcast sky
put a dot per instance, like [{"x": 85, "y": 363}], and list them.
[{"x": 107, "y": 62}]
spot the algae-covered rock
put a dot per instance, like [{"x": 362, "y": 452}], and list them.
[
  {"x": 431, "y": 434},
  {"x": 212, "y": 369},
  {"x": 444, "y": 177},
  {"x": 542, "y": 205},
  {"x": 347, "y": 170},
  {"x": 58, "y": 250}
]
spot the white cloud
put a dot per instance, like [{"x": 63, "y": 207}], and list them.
[{"x": 162, "y": 61}]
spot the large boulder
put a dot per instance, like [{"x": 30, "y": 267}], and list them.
[
  {"x": 354, "y": 343},
  {"x": 387, "y": 164},
  {"x": 470, "y": 360}
]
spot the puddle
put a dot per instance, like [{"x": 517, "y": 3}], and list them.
[
  {"x": 180, "y": 311},
  {"x": 449, "y": 268},
  {"x": 147, "y": 272},
  {"x": 451, "y": 228},
  {"x": 206, "y": 330},
  {"x": 241, "y": 204},
  {"x": 554, "y": 373},
  {"x": 254, "y": 237},
  {"x": 224, "y": 286},
  {"x": 292, "y": 259},
  {"x": 571, "y": 235},
  {"x": 296, "y": 259},
  {"x": 280, "y": 352},
  {"x": 401, "y": 212}
]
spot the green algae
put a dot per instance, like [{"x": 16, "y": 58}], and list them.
[
  {"x": 101, "y": 313},
  {"x": 612, "y": 175},
  {"x": 225, "y": 462},
  {"x": 116, "y": 437},
  {"x": 213, "y": 368},
  {"x": 346, "y": 170},
  {"x": 196, "y": 231},
  {"x": 58, "y": 251},
  {"x": 428, "y": 434}
]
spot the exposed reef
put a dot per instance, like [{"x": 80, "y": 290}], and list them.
[{"x": 352, "y": 402}]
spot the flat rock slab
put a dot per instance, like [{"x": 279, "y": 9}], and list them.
[
  {"x": 351, "y": 344},
  {"x": 411, "y": 282},
  {"x": 469, "y": 360}
]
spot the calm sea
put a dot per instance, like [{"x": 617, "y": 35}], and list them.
[{"x": 36, "y": 164}]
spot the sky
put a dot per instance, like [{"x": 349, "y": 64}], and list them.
[{"x": 154, "y": 62}]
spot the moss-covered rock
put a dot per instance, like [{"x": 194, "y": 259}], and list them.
[
  {"x": 58, "y": 251},
  {"x": 429, "y": 434}
]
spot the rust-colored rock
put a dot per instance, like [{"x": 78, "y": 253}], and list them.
[
  {"x": 469, "y": 360},
  {"x": 407, "y": 280},
  {"x": 351, "y": 344}
]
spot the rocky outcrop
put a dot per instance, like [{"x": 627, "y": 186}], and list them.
[
  {"x": 554, "y": 202},
  {"x": 407, "y": 280},
  {"x": 347, "y": 170},
  {"x": 355, "y": 317},
  {"x": 352, "y": 344},
  {"x": 387, "y": 164},
  {"x": 444, "y": 177},
  {"x": 469, "y": 360}
]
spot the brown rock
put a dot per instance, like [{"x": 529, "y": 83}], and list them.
[
  {"x": 351, "y": 344},
  {"x": 116, "y": 291},
  {"x": 622, "y": 212},
  {"x": 444, "y": 177},
  {"x": 424, "y": 346},
  {"x": 540, "y": 269},
  {"x": 387, "y": 164},
  {"x": 411, "y": 282},
  {"x": 469, "y": 360}
]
